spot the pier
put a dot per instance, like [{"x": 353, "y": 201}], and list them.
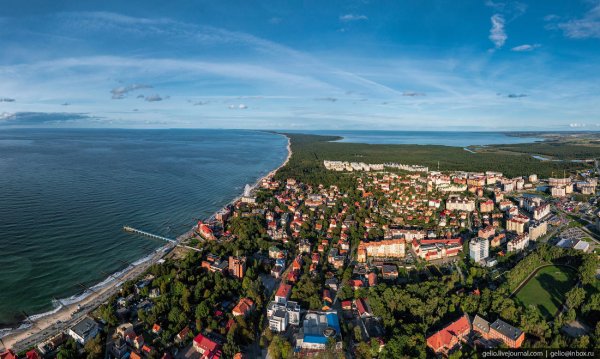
[
  {"x": 156, "y": 236},
  {"x": 147, "y": 234}
]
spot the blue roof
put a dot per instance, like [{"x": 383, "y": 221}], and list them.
[
  {"x": 315, "y": 339},
  {"x": 332, "y": 321}
]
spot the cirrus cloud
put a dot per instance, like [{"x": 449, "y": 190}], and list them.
[
  {"x": 352, "y": 17},
  {"x": 525, "y": 47},
  {"x": 497, "y": 33}
]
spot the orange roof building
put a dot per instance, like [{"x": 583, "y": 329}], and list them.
[
  {"x": 244, "y": 306},
  {"x": 445, "y": 340}
]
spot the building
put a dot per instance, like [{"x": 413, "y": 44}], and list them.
[
  {"x": 479, "y": 249},
  {"x": 83, "y": 331},
  {"x": 207, "y": 348},
  {"x": 450, "y": 337},
  {"x": 517, "y": 223},
  {"x": 518, "y": 243},
  {"x": 283, "y": 293},
  {"x": 558, "y": 192},
  {"x": 457, "y": 203},
  {"x": 541, "y": 211},
  {"x": 205, "y": 231},
  {"x": 318, "y": 329},
  {"x": 486, "y": 232},
  {"x": 533, "y": 178},
  {"x": 237, "y": 266},
  {"x": 499, "y": 331},
  {"x": 244, "y": 306},
  {"x": 486, "y": 206},
  {"x": 431, "y": 249},
  {"x": 554, "y": 182},
  {"x": 574, "y": 243},
  {"x": 281, "y": 315},
  {"x": 391, "y": 248},
  {"x": 537, "y": 229}
]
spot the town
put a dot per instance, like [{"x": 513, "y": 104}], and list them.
[{"x": 393, "y": 261}]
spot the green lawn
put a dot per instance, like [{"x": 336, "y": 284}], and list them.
[{"x": 547, "y": 289}]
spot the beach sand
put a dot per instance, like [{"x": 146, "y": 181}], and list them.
[{"x": 47, "y": 326}]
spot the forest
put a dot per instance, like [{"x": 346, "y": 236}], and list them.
[{"x": 309, "y": 151}]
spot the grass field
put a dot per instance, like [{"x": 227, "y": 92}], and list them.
[{"x": 547, "y": 289}]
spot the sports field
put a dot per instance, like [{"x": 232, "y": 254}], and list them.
[{"x": 547, "y": 289}]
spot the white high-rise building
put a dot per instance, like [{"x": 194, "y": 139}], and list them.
[{"x": 479, "y": 249}]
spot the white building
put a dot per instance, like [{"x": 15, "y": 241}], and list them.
[
  {"x": 460, "y": 204},
  {"x": 479, "y": 249},
  {"x": 518, "y": 243},
  {"x": 281, "y": 315},
  {"x": 83, "y": 331}
]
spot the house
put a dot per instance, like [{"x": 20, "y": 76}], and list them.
[
  {"x": 83, "y": 331},
  {"x": 244, "y": 306},
  {"x": 206, "y": 347},
  {"x": 362, "y": 307},
  {"x": 183, "y": 335},
  {"x": 32, "y": 354},
  {"x": 450, "y": 337},
  {"x": 389, "y": 271},
  {"x": 147, "y": 349},
  {"x": 156, "y": 329},
  {"x": 283, "y": 293},
  {"x": 346, "y": 305},
  {"x": 138, "y": 342},
  {"x": 123, "y": 329}
]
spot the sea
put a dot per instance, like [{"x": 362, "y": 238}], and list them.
[
  {"x": 65, "y": 195},
  {"x": 446, "y": 138}
]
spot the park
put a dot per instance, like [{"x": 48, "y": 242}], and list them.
[{"x": 547, "y": 288}]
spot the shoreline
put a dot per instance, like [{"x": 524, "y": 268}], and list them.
[{"x": 47, "y": 324}]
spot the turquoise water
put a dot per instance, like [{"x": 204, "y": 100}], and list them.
[
  {"x": 65, "y": 195},
  {"x": 446, "y": 138}
]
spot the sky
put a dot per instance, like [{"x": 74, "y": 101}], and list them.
[{"x": 345, "y": 65}]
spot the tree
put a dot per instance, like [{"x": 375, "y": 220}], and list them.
[
  {"x": 93, "y": 348},
  {"x": 68, "y": 350},
  {"x": 575, "y": 297}
]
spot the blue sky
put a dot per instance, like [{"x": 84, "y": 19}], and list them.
[{"x": 389, "y": 65}]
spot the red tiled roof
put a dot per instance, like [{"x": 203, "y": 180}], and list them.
[
  {"x": 210, "y": 348},
  {"x": 284, "y": 290},
  {"x": 450, "y": 335},
  {"x": 32, "y": 354},
  {"x": 243, "y": 307},
  {"x": 361, "y": 306}
]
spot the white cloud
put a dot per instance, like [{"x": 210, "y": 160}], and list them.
[
  {"x": 586, "y": 27},
  {"x": 525, "y": 47},
  {"x": 352, "y": 17},
  {"x": 497, "y": 33},
  {"x": 577, "y": 125}
]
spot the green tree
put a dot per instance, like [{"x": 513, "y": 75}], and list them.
[{"x": 575, "y": 297}]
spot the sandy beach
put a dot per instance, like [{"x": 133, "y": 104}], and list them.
[{"x": 47, "y": 326}]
